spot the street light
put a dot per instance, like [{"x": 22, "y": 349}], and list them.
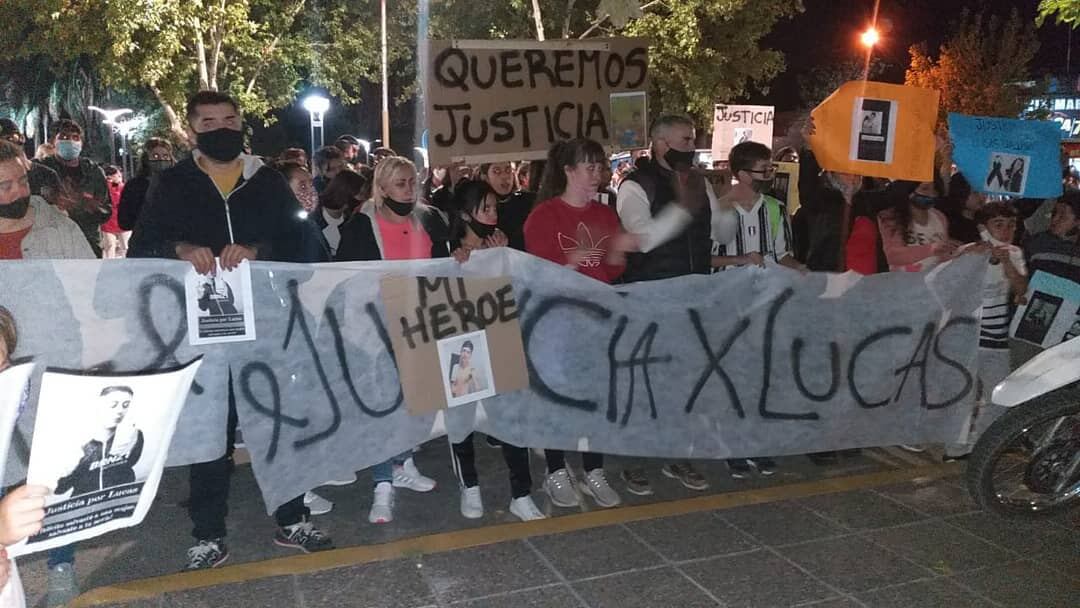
[
  {"x": 316, "y": 105},
  {"x": 109, "y": 118},
  {"x": 870, "y": 37}
]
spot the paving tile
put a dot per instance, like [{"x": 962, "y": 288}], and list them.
[
  {"x": 647, "y": 589},
  {"x": 862, "y": 510},
  {"x": 556, "y": 596},
  {"x": 1024, "y": 584},
  {"x": 840, "y": 602},
  {"x": 853, "y": 564},
  {"x": 940, "y": 547},
  {"x": 396, "y": 584},
  {"x": 1022, "y": 537},
  {"x": 758, "y": 579},
  {"x": 263, "y": 592},
  {"x": 936, "y": 593},
  {"x": 780, "y": 523},
  {"x": 1063, "y": 557},
  {"x": 483, "y": 571},
  {"x": 589, "y": 553},
  {"x": 692, "y": 536},
  {"x": 934, "y": 498},
  {"x": 152, "y": 603}
]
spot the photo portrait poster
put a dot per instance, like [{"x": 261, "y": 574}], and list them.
[
  {"x": 1051, "y": 314},
  {"x": 456, "y": 340},
  {"x": 1006, "y": 156},
  {"x": 877, "y": 129},
  {"x": 220, "y": 307},
  {"x": 100, "y": 443},
  {"x": 629, "y": 120}
]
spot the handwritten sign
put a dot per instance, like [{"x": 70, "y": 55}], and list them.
[
  {"x": 492, "y": 100},
  {"x": 732, "y": 125},
  {"x": 877, "y": 129},
  {"x": 750, "y": 362},
  {"x": 455, "y": 340},
  {"x": 1019, "y": 158}
]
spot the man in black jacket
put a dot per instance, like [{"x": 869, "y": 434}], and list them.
[
  {"x": 90, "y": 205},
  {"x": 225, "y": 204}
]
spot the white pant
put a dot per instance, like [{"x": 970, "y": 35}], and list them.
[{"x": 114, "y": 246}]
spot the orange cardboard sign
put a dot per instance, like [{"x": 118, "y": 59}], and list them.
[{"x": 877, "y": 129}]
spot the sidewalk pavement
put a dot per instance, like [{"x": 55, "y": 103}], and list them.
[{"x": 884, "y": 528}]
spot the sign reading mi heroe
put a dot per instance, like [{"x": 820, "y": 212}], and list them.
[
  {"x": 455, "y": 340},
  {"x": 490, "y": 100}
]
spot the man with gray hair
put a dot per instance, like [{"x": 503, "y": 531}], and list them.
[{"x": 676, "y": 215}]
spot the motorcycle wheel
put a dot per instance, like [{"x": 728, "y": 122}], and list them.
[{"x": 1027, "y": 464}]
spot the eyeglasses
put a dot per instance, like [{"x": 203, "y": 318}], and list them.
[{"x": 768, "y": 171}]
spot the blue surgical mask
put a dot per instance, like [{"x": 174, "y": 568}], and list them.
[
  {"x": 921, "y": 200},
  {"x": 68, "y": 149}
]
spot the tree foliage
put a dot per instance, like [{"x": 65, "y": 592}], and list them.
[
  {"x": 982, "y": 69},
  {"x": 1062, "y": 11},
  {"x": 822, "y": 81},
  {"x": 264, "y": 51}
]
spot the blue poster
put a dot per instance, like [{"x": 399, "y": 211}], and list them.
[{"x": 1020, "y": 158}]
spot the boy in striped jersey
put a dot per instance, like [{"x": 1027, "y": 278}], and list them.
[
  {"x": 1006, "y": 283},
  {"x": 763, "y": 232}
]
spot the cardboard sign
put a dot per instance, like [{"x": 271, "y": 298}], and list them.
[
  {"x": 877, "y": 129},
  {"x": 1007, "y": 156},
  {"x": 455, "y": 340},
  {"x": 497, "y": 100},
  {"x": 1052, "y": 313},
  {"x": 786, "y": 186},
  {"x": 732, "y": 125}
]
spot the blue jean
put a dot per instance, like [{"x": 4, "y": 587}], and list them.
[{"x": 384, "y": 471}]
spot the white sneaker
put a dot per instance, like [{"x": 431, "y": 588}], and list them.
[
  {"x": 382, "y": 507},
  {"x": 912, "y": 448},
  {"x": 63, "y": 586},
  {"x": 560, "y": 487},
  {"x": 341, "y": 482},
  {"x": 525, "y": 509},
  {"x": 472, "y": 505},
  {"x": 317, "y": 504},
  {"x": 597, "y": 486},
  {"x": 409, "y": 477}
]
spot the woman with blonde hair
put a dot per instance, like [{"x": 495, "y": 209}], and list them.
[{"x": 394, "y": 226}]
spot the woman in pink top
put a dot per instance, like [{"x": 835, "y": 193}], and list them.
[{"x": 914, "y": 235}]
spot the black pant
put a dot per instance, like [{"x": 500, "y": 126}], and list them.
[
  {"x": 517, "y": 460},
  {"x": 209, "y": 483},
  {"x": 556, "y": 459}
]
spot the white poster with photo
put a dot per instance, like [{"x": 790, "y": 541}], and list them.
[
  {"x": 466, "y": 368},
  {"x": 873, "y": 130},
  {"x": 100, "y": 443},
  {"x": 1052, "y": 313},
  {"x": 220, "y": 307},
  {"x": 14, "y": 393}
]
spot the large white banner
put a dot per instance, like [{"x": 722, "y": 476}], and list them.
[{"x": 748, "y": 362}]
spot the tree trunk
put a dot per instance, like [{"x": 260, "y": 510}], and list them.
[
  {"x": 176, "y": 127},
  {"x": 538, "y": 19},
  {"x": 200, "y": 56},
  {"x": 217, "y": 36},
  {"x": 569, "y": 16}
]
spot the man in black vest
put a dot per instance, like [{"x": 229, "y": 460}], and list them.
[{"x": 676, "y": 215}]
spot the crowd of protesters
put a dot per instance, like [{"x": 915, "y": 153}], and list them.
[{"x": 655, "y": 218}]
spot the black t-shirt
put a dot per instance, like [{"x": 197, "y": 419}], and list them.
[{"x": 513, "y": 211}]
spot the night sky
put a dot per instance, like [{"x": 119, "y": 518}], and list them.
[{"x": 827, "y": 33}]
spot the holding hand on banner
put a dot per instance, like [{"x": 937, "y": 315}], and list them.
[
  {"x": 233, "y": 254},
  {"x": 21, "y": 513},
  {"x": 200, "y": 257}
]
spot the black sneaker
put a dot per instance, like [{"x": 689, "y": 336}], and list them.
[
  {"x": 636, "y": 482},
  {"x": 303, "y": 536},
  {"x": 764, "y": 466},
  {"x": 739, "y": 468},
  {"x": 207, "y": 554}
]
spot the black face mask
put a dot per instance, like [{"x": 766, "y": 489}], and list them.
[
  {"x": 15, "y": 210},
  {"x": 399, "y": 208},
  {"x": 222, "y": 145},
  {"x": 679, "y": 160},
  {"x": 157, "y": 166},
  {"x": 483, "y": 231}
]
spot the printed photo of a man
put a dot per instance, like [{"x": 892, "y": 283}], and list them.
[{"x": 110, "y": 455}]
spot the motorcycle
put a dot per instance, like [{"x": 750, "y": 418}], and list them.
[{"x": 1027, "y": 464}]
